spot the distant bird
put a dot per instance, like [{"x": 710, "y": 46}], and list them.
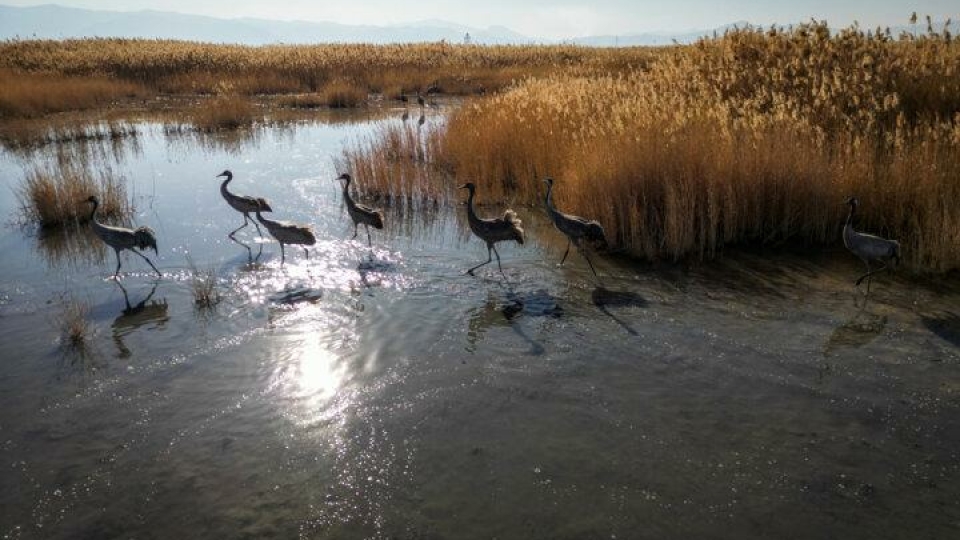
[
  {"x": 422, "y": 120},
  {"x": 403, "y": 97},
  {"x": 575, "y": 228},
  {"x": 121, "y": 238},
  {"x": 243, "y": 204},
  {"x": 868, "y": 247},
  {"x": 420, "y": 100},
  {"x": 405, "y": 116},
  {"x": 494, "y": 230},
  {"x": 288, "y": 233},
  {"x": 359, "y": 213}
]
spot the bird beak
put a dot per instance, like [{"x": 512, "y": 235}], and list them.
[{"x": 462, "y": 187}]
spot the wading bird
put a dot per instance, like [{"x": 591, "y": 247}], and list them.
[
  {"x": 243, "y": 204},
  {"x": 121, "y": 238},
  {"x": 494, "y": 230},
  {"x": 288, "y": 233},
  {"x": 403, "y": 98},
  {"x": 360, "y": 213},
  {"x": 420, "y": 100},
  {"x": 575, "y": 228},
  {"x": 868, "y": 247}
]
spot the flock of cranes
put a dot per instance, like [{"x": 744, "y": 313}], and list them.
[{"x": 580, "y": 232}]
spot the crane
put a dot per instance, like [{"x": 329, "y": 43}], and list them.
[
  {"x": 121, "y": 238},
  {"x": 575, "y": 228},
  {"x": 868, "y": 247},
  {"x": 288, "y": 233},
  {"x": 243, "y": 203},
  {"x": 494, "y": 230},
  {"x": 358, "y": 212}
]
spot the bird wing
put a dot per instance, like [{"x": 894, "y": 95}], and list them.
[{"x": 365, "y": 208}]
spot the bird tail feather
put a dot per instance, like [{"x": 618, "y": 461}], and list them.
[{"x": 511, "y": 217}]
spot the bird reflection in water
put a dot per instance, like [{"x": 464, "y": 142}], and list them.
[
  {"x": 133, "y": 316},
  {"x": 505, "y": 310},
  {"x": 70, "y": 247},
  {"x": 250, "y": 257}
]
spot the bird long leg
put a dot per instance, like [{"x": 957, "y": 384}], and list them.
[
  {"x": 283, "y": 256},
  {"x": 257, "y": 226},
  {"x": 116, "y": 274},
  {"x": 870, "y": 273},
  {"x": 369, "y": 243},
  {"x": 565, "y": 252},
  {"x": 355, "y": 231},
  {"x": 489, "y": 260},
  {"x": 306, "y": 253},
  {"x": 245, "y": 220},
  {"x": 584, "y": 253},
  {"x": 144, "y": 257},
  {"x": 498, "y": 260},
  {"x": 860, "y": 279}
]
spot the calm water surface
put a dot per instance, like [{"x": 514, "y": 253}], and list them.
[{"x": 383, "y": 393}]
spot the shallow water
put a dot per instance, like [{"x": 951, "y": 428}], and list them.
[{"x": 383, "y": 393}]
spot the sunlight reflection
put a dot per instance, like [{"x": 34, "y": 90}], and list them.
[{"x": 312, "y": 380}]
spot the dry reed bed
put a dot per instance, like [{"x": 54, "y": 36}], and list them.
[
  {"x": 115, "y": 67},
  {"x": 754, "y": 138}
]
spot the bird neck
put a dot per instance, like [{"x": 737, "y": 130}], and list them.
[
  {"x": 223, "y": 185},
  {"x": 93, "y": 213},
  {"x": 470, "y": 212},
  {"x": 853, "y": 208},
  {"x": 548, "y": 199}
]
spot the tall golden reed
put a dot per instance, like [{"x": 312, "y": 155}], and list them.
[{"x": 755, "y": 138}]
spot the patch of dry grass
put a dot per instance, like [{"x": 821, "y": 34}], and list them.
[
  {"x": 342, "y": 94},
  {"x": 223, "y": 112},
  {"x": 56, "y": 195},
  {"x": 28, "y": 95},
  {"x": 203, "y": 285},
  {"x": 74, "y": 325},
  {"x": 756, "y": 138}
]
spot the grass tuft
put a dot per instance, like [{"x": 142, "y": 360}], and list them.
[
  {"x": 75, "y": 328},
  {"x": 56, "y": 195}
]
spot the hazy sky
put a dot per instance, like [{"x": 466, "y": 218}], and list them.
[{"x": 548, "y": 18}]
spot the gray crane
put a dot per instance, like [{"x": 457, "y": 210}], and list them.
[
  {"x": 575, "y": 228},
  {"x": 360, "y": 213},
  {"x": 494, "y": 230},
  {"x": 288, "y": 233},
  {"x": 121, "y": 238},
  {"x": 243, "y": 204},
  {"x": 868, "y": 247}
]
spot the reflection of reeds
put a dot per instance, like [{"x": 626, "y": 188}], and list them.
[
  {"x": 70, "y": 246},
  {"x": 752, "y": 138},
  {"x": 54, "y": 196},
  {"x": 75, "y": 329}
]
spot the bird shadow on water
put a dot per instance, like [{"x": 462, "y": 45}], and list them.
[
  {"x": 945, "y": 326},
  {"x": 505, "y": 309},
  {"x": 605, "y": 299},
  {"x": 853, "y": 333},
  {"x": 133, "y": 316}
]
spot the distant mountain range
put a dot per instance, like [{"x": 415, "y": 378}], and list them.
[{"x": 57, "y": 22}]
